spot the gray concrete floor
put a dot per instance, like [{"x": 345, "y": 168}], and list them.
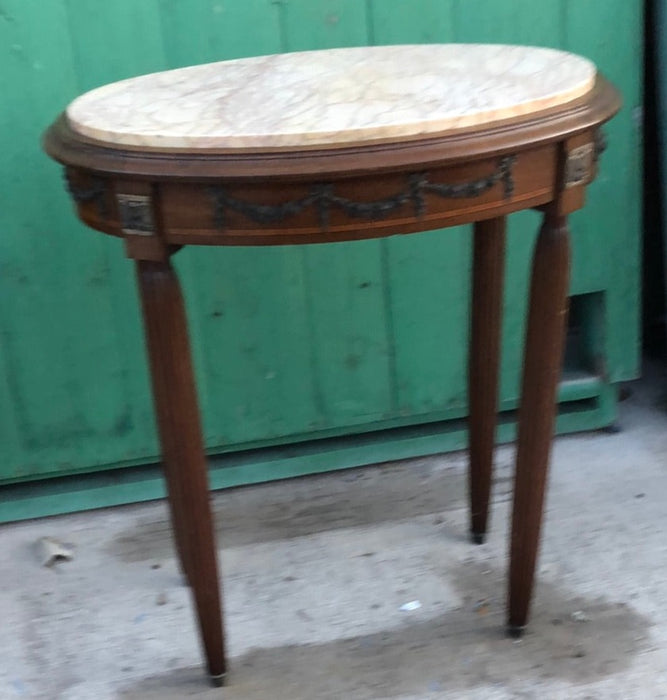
[{"x": 316, "y": 571}]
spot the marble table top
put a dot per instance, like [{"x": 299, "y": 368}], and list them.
[{"x": 332, "y": 97}]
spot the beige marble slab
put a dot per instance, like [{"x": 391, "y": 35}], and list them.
[{"x": 331, "y": 97}]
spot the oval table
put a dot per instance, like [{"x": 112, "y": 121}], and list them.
[{"x": 335, "y": 145}]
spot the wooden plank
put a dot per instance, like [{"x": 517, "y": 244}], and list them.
[
  {"x": 428, "y": 279},
  {"x": 416, "y": 22},
  {"x": 518, "y": 22},
  {"x": 10, "y": 433},
  {"x": 55, "y": 328},
  {"x": 515, "y": 22},
  {"x": 345, "y": 283},
  {"x": 246, "y": 307},
  {"x": 608, "y": 231},
  {"x": 349, "y": 332},
  {"x": 114, "y": 40},
  {"x": 425, "y": 274},
  {"x": 324, "y": 24},
  {"x": 219, "y": 29},
  {"x": 140, "y": 438},
  {"x": 126, "y": 30},
  {"x": 10, "y": 259},
  {"x": 522, "y": 231}
]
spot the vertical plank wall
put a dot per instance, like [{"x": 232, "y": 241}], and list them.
[{"x": 290, "y": 343}]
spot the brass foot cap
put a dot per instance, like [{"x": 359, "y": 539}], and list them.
[
  {"x": 218, "y": 681},
  {"x": 515, "y": 631}
]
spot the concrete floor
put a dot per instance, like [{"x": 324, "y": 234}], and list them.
[{"x": 317, "y": 570}]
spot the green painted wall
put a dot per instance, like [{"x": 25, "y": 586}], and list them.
[{"x": 289, "y": 343}]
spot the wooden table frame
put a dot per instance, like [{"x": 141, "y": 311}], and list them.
[{"x": 160, "y": 200}]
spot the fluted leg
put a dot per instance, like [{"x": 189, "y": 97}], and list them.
[
  {"x": 179, "y": 427},
  {"x": 541, "y": 372},
  {"x": 484, "y": 360}
]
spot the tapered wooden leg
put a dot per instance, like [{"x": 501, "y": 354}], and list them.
[
  {"x": 487, "y": 299},
  {"x": 541, "y": 371},
  {"x": 182, "y": 448},
  {"x": 175, "y": 500},
  {"x": 170, "y": 465}
]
